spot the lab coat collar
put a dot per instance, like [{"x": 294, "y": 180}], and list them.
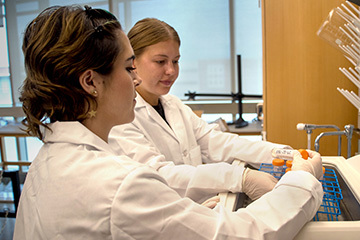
[
  {"x": 152, "y": 113},
  {"x": 141, "y": 103},
  {"x": 76, "y": 133}
]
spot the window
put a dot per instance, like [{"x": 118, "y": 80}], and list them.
[
  {"x": 203, "y": 27},
  {"x": 5, "y": 87},
  {"x": 248, "y": 43},
  {"x": 206, "y": 63}
]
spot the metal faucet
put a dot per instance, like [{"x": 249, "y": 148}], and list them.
[
  {"x": 310, "y": 127},
  {"x": 348, "y": 132}
]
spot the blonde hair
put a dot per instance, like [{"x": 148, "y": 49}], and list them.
[
  {"x": 150, "y": 31},
  {"x": 59, "y": 45}
]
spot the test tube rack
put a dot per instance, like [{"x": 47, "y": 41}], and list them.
[{"x": 330, "y": 207}]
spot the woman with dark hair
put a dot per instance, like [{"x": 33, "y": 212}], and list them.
[
  {"x": 80, "y": 82},
  {"x": 80, "y": 78}
]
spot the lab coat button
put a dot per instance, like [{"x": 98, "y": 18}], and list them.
[{"x": 185, "y": 153}]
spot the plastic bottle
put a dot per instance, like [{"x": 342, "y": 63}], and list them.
[
  {"x": 322, "y": 177},
  {"x": 289, "y": 163},
  {"x": 287, "y": 154},
  {"x": 281, "y": 154},
  {"x": 278, "y": 166}
]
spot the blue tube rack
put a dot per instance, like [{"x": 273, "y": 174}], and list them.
[{"x": 330, "y": 208}]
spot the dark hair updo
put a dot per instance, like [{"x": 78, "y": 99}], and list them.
[{"x": 59, "y": 45}]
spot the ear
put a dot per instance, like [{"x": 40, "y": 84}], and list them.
[{"x": 86, "y": 80}]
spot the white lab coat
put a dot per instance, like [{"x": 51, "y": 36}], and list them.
[
  {"x": 191, "y": 141},
  {"x": 77, "y": 189}
]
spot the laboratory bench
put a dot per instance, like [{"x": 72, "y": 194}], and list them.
[{"x": 254, "y": 128}]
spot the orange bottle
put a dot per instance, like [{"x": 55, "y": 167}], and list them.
[
  {"x": 289, "y": 163},
  {"x": 287, "y": 154},
  {"x": 278, "y": 165}
]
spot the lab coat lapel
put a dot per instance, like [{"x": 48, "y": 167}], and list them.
[
  {"x": 155, "y": 116},
  {"x": 174, "y": 118}
]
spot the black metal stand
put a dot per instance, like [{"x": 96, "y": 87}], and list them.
[{"x": 240, "y": 122}]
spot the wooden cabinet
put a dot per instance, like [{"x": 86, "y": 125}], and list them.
[{"x": 301, "y": 74}]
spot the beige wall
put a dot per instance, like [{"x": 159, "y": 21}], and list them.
[{"x": 301, "y": 74}]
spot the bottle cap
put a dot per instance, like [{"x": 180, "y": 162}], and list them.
[
  {"x": 304, "y": 153},
  {"x": 278, "y": 162},
  {"x": 289, "y": 163},
  {"x": 288, "y": 169}
]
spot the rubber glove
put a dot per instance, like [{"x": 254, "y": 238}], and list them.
[
  {"x": 211, "y": 202},
  {"x": 256, "y": 183},
  {"x": 312, "y": 165}
]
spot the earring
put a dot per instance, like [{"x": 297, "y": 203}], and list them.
[
  {"x": 94, "y": 92},
  {"x": 92, "y": 113}
]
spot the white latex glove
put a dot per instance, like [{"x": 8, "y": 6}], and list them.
[
  {"x": 256, "y": 183},
  {"x": 312, "y": 165},
  {"x": 211, "y": 202}
]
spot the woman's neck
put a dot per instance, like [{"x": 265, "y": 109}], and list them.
[
  {"x": 97, "y": 127},
  {"x": 150, "y": 98}
]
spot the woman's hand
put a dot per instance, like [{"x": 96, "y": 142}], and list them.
[
  {"x": 312, "y": 165},
  {"x": 256, "y": 183},
  {"x": 211, "y": 202}
]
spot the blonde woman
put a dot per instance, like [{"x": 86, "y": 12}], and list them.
[{"x": 166, "y": 129}]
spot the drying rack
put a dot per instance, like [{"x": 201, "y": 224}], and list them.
[{"x": 342, "y": 30}]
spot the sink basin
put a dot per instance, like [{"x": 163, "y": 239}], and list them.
[
  {"x": 349, "y": 206},
  {"x": 345, "y": 226}
]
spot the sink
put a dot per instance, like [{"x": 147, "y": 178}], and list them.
[
  {"x": 345, "y": 226},
  {"x": 349, "y": 206}
]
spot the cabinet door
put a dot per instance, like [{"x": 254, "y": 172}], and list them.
[{"x": 301, "y": 74}]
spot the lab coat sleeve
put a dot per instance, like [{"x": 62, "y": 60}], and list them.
[
  {"x": 221, "y": 146},
  {"x": 218, "y": 146},
  {"x": 144, "y": 207},
  {"x": 198, "y": 183},
  {"x": 130, "y": 140},
  {"x": 203, "y": 181}
]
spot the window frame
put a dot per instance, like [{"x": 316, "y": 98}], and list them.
[
  {"x": 209, "y": 105},
  {"x": 15, "y": 54}
]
